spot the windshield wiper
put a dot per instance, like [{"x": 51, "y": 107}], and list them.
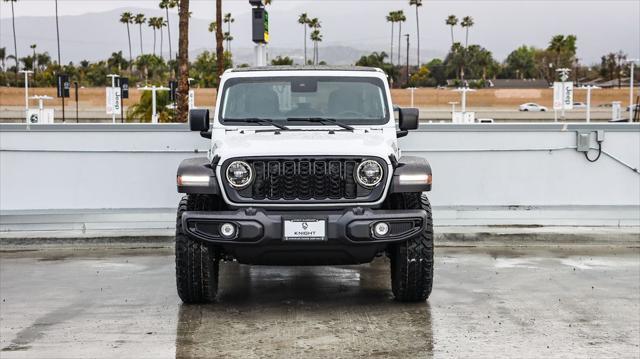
[
  {"x": 322, "y": 120},
  {"x": 259, "y": 121}
]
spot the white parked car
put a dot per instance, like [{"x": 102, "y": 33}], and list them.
[
  {"x": 579, "y": 105},
  {"x": 533, "y": 107}
]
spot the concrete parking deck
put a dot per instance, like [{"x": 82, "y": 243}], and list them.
[{"x": 491, "y": 302}]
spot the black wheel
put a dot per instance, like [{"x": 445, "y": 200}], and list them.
[
  {"x": 197, "y": 264},
  {"x": 412, "y": 260}
]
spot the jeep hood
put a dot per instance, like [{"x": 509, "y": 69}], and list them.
[{"x": 304, "y": 143}]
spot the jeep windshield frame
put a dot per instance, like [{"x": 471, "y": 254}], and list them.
[{"x": 351, "y": 100}]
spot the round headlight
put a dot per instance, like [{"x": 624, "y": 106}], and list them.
[
  {"x": 369, "y": 173},
  {"x": 239, "y": 174}
]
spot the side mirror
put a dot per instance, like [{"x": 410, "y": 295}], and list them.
[
  {"x": 199, "y": 120},
  {"x": 408, "y": 118}
]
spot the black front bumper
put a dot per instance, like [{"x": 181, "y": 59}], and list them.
[{"x": 259, "y": 238}]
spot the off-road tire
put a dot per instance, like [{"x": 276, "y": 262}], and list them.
[
  {"x": 197, "y": 265},
  {"x": 412, "y": 260}
]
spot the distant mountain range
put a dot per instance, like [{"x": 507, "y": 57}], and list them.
[{"x": 95, "y": 36}]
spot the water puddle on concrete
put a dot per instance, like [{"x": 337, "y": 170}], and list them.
[{"x": 509, "y": 302}]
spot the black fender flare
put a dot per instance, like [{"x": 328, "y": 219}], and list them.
[
  {"x": 417, "y": 169},
  {"x": 200, "y": 167}
]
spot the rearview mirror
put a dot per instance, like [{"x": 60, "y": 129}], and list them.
[
  {"x": 408, "y": 118},
  {"x": 199, "y": 120}
]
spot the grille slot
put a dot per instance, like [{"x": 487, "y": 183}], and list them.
[{"x": 304, "y": 179}]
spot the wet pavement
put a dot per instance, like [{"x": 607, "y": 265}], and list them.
[{"x": 486, "y": 303}]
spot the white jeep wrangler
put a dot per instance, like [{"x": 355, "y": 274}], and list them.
[{"x": 304, "y": 169}]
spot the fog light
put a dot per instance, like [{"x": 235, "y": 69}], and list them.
[
  {"x": 381, "y": 229},
  {"x": 227, "y": 230}
]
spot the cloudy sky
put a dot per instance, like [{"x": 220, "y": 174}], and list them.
[{"x": 501, "y": 25}]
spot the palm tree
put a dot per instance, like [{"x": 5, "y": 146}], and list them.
[
  {"x": 452, "y": 21},
  {"x": 315, "y": 34},
  {"x": 219, "y": 41},
  {"x": 127, "y": 18},
  {"x": 27, "y": 62},
  {"x": 151, "y": 23},
  {"x": 3, "y": 56},
  {"x": 59, "y": 55},
  {"x": 392, "y": 19},
  {"x": 564, "y": 48},
  {"x": 303, "y": 20},
  {"x": 43, "y": 60},
  {"x": 161, "y": 23},
  {"x": 166, "y": 5},
  {"x": 182, "y": 100},
  {"x": 466, "y": 23},
  {"x": 228, "y": 38},
  {"x": 212, "y": 26},
  {"x": 400, "y": 18},
  {"x": 316, "y": 37},
  {"x": 15, "y": 43},
  {"x": 228, "y": 20},
  {"x": 484, "y": 59},
  {"x": 417, "y": 4},
  {"x": 33, "y": 66},
  {"x": 11, "y": 57},
  {"x": 621, "y": 58},
  {"x": 457, "y": 58},
  {"x": 154, "y": 24},
  {"x": 117, "y": 61},
  {"x": 140, "y": 20}
]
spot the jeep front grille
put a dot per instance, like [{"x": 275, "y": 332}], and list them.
[
  {"x": 295, "y": 180},
  {"x": 304, "y": 179}
]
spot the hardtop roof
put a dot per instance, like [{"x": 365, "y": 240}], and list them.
[{"x": 305, "y": 68}]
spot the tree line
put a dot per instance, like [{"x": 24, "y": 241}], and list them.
[
  {"x": 465, "y": 62},
  {"x": 474, "y": 65}
]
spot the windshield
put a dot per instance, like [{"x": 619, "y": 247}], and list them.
[{"x": 351, "y": 100}]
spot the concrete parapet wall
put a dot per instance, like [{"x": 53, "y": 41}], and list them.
[{"x": 114, "y": 178}]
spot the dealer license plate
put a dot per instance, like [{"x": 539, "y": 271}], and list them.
[{"x": 305, "y": 230}]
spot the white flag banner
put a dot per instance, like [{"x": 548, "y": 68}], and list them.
[
  {"x": 108, "y": 100},
  {"x": 192, "y": 99},
  {"x": 114, "y": 95},
  {"x": 563, "y": 93}
]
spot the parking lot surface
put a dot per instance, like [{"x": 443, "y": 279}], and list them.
[{"x": 486, "y": 303}]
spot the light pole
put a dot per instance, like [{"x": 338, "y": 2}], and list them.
[
  {"x": 26, "y": 93},
  {"x": 407, "y": 35},
  {"x": 632, "y": 108},
  {"x": 453, "y": 109},
  {"x": 463, "y": 91},
  {"x": 412, "y": 89},
  {"x": 59, "y": 57},
  {"x": 464, "y": 118},
  {"x": 589, "y": 88}
]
